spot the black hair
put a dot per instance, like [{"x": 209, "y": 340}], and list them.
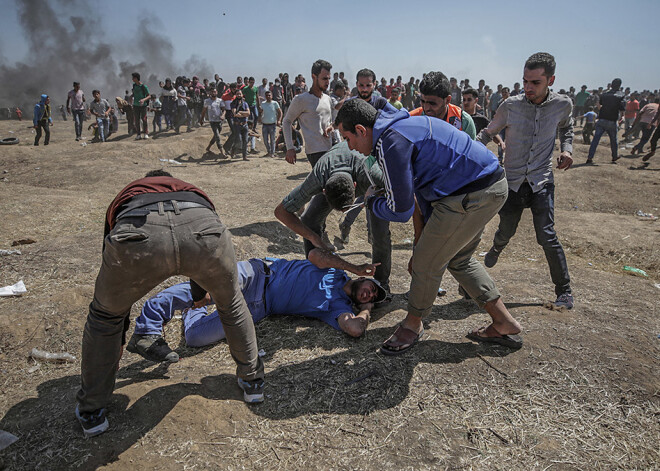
[
  {"x": 339, "y": 86},
  {"x": 136, "y": 75},
  {"x": 157, "y": 173},
  {"x": 366, "y": 73},
  {"x": 616, "y": 83},
  {"x": 436, "y": 84},
  {"x": 508, "y": 90},
  {"x": 251, "y": 78},
  {"x": 471, "y": 91},
  {"x": 319, "y": 65},
  {"x": 542, "y": 59},
  {"x": 340, "y": 191},
  {"x": 590, "y": 108},
  {"x": 396, "y": 91},
  {"x": 95, "y": 91},
  {"x": 354, "y": 112},
  {"x": 76, "y": 83}
]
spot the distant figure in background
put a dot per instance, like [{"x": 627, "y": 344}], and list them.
[
  {"x": 214, "y": 109},
  {"x": 271, "y": 118},
  {"x": 140, "y": 98},
  {"x": 75, "y": 105},
  {"x": 100, "y": 109},
  {"x": 168, "y": 100},
  {"x": 394, "y": 98},
  {"x": 42, "y": 119},
  {"x": 19, "y": 113},
  {"x": 156, "y": 107},
  {"x": 612, "y": 106},
  {"x": 589, "y": 125},
  {"x": 62, "y": 112},
  {"x": 125, "y": 108}
]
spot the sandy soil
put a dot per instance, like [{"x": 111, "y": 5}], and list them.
[{"x": 583, "y": 393}]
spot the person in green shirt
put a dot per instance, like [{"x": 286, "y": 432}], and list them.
[
  {"x": 251, "y": 97},
  {"x": 580, "y": 107},
  {"x": 140, "y": 98},
  {"x": 394, "y": 99}
]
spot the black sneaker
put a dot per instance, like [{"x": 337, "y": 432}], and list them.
[
  {"x": 152, "y": 347},
  {"x": 253, "y": 391},
  {"x": 564, "y": 302},
  {"x": 93, "y": 423},
  {"x": 491, "y": 257}
]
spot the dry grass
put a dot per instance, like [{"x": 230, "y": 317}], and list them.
[{"x": 582, "y": 394}]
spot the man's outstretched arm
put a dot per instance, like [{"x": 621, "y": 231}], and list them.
[{"x": 326, "y": 259}]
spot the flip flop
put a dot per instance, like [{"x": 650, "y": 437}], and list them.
[
  {"x": 493, "y": 336},
  {"x": 402, "y": 337}
]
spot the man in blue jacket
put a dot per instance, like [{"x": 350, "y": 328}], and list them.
[
  {"x": 42, "y": 119},
  {"x": 454, "y": 186}
]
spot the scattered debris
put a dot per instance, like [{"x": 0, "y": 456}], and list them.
[
  {"x": 441, "y": 292},
  {"x": 261, "y": 352},
  {"x": 6, "y": 439},
  {"x": 407, "y": 241},
  {"x": 13, "y": 290},
  {"x": 635, "y": 271},
  {"x": 54, "y": 357},
  {"x": 23, "y": 242},
  {"x": 482, "y": 254},
  {"x": 34, "y": 368},
  {"x": 657, "y": 285},
  {"x": 171, "y": 161},
  {"x": 645, "y": 216},
  {"x": 10, "y": 252},
  {"x": 531, "y": 259}
]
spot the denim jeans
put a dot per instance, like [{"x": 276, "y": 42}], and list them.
[
  {"x": 182, "y": 114},
  {"x": 201, "y": 328},
  {"x": 78, "y": 118},
  {"x": 609, "y": 127},
  {"x": 646, "y": 135},
  {"x": 315, "y": 215},
  {"x": 254, "y": 116},
  {"x": 542, "y": 205},
  {"x": 139, "y": 253},
  {"x": 216, "y": 127},
  {"x": 104, "y": 128},
  {"x": 45, "y": 125},
  {"x": 241, "y": 137},
  {"x": 268, "y": 131},
  {"x": 158, "y": 120}
]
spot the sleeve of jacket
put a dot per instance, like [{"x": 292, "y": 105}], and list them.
[
  {"x": 394, "y": 153},
  {"x": 36, "y": 114}
]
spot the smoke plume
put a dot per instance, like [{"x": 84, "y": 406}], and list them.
[{"x": 68, "y": 42}]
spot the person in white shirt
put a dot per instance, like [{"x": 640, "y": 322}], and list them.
[{"x": 214, "y": 108}]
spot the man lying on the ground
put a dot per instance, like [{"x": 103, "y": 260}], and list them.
[{"x": 309, "y": 288}]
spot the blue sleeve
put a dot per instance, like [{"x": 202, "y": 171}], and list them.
[
  {"x": 394, "y": 153},
  {"x": 160, "y": 308},
  {"x": 36, "y": 114}
]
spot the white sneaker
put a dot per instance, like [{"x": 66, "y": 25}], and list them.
[
  {"x": 146, "y": 136},
  {"x": 138, "y": 137}
]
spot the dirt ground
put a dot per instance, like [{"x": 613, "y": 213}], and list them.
[{"x": 583, "y": 393}]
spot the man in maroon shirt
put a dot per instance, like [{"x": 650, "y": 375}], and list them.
[{"x": 157, "y": 227}]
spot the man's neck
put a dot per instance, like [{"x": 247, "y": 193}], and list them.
[{"x": 316, "y": 91}]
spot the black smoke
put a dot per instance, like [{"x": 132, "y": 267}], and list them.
[{"x": 68, "y": 42}]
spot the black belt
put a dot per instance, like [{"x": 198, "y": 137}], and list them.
[{"x": 161, "y": 207}]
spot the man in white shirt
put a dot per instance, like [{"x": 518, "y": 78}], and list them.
[
  {"x": 313, "y": 110},
  {"x": 214, "y": 108}
]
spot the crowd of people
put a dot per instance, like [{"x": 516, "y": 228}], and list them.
[
  {"x": 242, "y": 105},
  {"x": 397, "y": 150}
]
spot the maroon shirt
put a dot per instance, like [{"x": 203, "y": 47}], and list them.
[{"x": 149, "y": 185}]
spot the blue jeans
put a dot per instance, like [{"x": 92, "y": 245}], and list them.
[
  {"x": 646, "y": 135},
  {"x": 104, "y": 128},
  {"x": 241, "y": 137},
  {"x": 201, "y": 328},
  {"x": 542, "y": 205},
  {"x": 268, "y": 131},
  {"x": 78, "y": 118},
  {"x": 254, "y": 116},
  {"x": 609, "y": 127}
]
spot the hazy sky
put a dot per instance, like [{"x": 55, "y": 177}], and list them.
[{"x": 592, "y": 41}]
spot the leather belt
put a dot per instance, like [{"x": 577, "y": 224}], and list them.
[{"x": 161, "y": 207}]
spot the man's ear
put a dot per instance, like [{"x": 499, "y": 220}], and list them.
[
  {"x": 354, "y": 184},
  {"x": 360, "y": 130},
  {"x": 551, "y": 80}
]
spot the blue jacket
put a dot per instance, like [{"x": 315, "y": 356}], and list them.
[
  {"x": 40, "y": 110},
  {"x": 424, "y": 157}
]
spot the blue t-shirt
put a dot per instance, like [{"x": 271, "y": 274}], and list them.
[
  {"x": 591, "y": 116},
  {"x": 269, "y": 115},
  {"x": 300, "y": 288}
]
